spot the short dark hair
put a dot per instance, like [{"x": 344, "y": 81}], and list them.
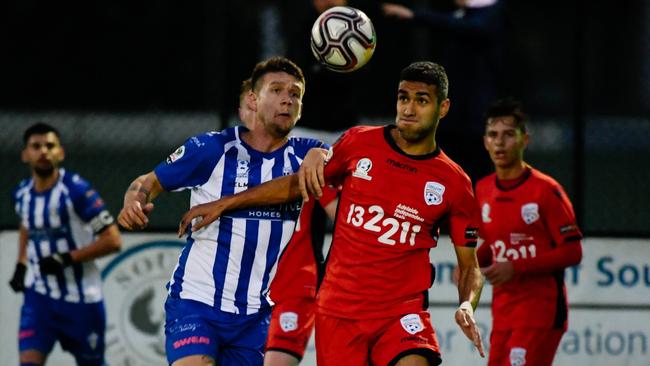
[
  {"x": 429, "y": 73},
  {"x": 276, "y": 64},
  {"x": 508, "y": 107},
  {"x": 39, "y": 128}
]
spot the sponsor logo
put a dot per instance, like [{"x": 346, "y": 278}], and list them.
[
  {"x": 191, "y": 340},
  {"x": 530, "y": 213},
  {"x": 412, "y": 323},
  {"x": 471, "y": 233},
  {"x": 404, "y": 211},
  {"x": 517, "y": 356},
  {"x": 568, "y": 228},
  {"x": 414, "y": 339},
  {"x": 485, "y": 213},
  {"x": 176, "y": 155},
  {"x": 433, "y": 192},
  {"x": 363, "y": 167},
  {"x": 26, "y": 333},
  {"x": 517, "y": 238},
  {"x": 288, "y": 321},
  {"x": 134, "y": 288},
  {"x": 399, "y": 165}
]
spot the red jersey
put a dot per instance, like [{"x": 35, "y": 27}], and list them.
[
  {"x": 388, "y": 219},
  {"x": 297, "y": 273},
  {"x": 521, "y": 224}
]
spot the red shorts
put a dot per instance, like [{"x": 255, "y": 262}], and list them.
[
  {"x": 525, "y": 346},
  {"x": 292, "y": 322},
  {"x": 375, "y": 341}
]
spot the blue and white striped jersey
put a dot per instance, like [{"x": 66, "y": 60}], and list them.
[
  {"x": 230, "y": 263},
  {"x": 59, "y": 220}
]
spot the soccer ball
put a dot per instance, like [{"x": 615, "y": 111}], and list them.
[{"x": 343, "y": 39}]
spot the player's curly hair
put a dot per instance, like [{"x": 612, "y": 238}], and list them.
[
  {"x": 276, "y": 64},
  {"x": 39, "y": 128},
  {"x": 508, "y": 107},
  {"x": 429, "y": 73}
]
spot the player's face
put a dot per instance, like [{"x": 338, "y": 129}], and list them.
[
  {"x": 418, "y": 111},
  {"x": 278, "y": 103},
  {"x": 43, "y": 153},
  {"x": 504, "y": 142}
]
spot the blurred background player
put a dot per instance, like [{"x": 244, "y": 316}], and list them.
[
  {"x": 219, "y": 287},
  {"x": 64, "y": 226},
  {"x": 293, "y": 290},
  {"x": 372, "y": 304},
  {"x": 530, "y": 237}
]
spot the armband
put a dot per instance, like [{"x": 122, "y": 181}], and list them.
[{"x": 101, "y": 221}]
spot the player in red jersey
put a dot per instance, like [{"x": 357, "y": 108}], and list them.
[
  {"x": 398, "y": 188},
  {"x": 530, "y": 236},
  {"x": 293, "y": 289}
]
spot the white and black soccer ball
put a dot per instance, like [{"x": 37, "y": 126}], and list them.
[{"x": 343, "y": 38}]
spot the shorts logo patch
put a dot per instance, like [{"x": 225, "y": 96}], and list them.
[
  {"x": 288, "y": 321},
  {"x": 92, "y": 340},
  {"x": 363, "y": 167},
  {"x": 517, "y": 356},
  {"x": 530, "y": 213},
  {"x": 433, "y": 192},
  {"x": 412, "y": 323},
  {"x": 176, "y": 155}
]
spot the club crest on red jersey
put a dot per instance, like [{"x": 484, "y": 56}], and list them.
[
  {"x": 433, "y": 192},
  {"x": 412, "y": 323},
  {"x": 485, "y": 213},
  {"x": 530, "y": 213},
  {"x": 363, "y": 167},
  {"x": 288, "y": 321}
]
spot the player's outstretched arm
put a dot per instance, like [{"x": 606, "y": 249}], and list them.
[
  {"x": 470, "y": 284},
  {"x": 279, "y": 190},
  {"x": 137, "y": 201},
  {"x": 311, "y": 175}
]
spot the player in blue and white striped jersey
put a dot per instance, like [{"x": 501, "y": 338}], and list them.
[
  {"x": 217, "y": 308},
  {"x": 64, "y": 225}
]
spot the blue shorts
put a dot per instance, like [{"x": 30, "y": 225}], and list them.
[
  {"x": 78, "y": 327},
  {"x": 194, "y": 328}
]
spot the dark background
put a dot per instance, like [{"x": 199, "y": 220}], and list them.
[{"x": 127, "y": 82}]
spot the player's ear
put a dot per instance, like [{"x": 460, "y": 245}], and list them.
[
  {"x": 444, "y": 107},
  {"x": 251, "y": 100},
  {"x": 23, "y": 155},
  {"x": 525, "y": 138}
]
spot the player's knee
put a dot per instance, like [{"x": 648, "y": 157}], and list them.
[
  {"x": 31, "y": 358},
  {"x": 278, "y": 358},
  {"x": 413, "y": 360}
]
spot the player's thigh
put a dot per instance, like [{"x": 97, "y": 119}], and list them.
[
  {"x": 37, "y": 331},
  {"x": 81, "y": 329},
  {"x": 31, "y": 357},
  {"x": 196, "y": 360},
  {"x": 499, "y": 349},
  {"x": 340, "y": 342},
  {"x": 533, "y": 346},
  {"x": 292, "y": 324},
  {"x": 409, "y": 338},
  {"x": 189, "y": 334}
]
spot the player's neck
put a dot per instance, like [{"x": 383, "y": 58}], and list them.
[
  {"x": 42, "y": 184},
  {"x": 262, "y": 141},
  {"x": 421, "y": 147},
  {"x": 511, "y": 172}
]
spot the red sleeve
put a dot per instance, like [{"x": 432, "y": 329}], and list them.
[
  {"x": 329, "y": 195},
  {"x": 340, "y": 153},
  {"x": 464, "y": 217},
  {"x": 484, "y": 255},
  {"x": 551, "y": 261}
]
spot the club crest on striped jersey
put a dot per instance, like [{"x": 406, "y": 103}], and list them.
[
  {"x": 242, "y": 168},
  {"x": 176, "y": 155},
  {"x": 288, "y": 321},
  {"x": 530, "y": 213},
  {"x": 363, "y": 167},
  {"x": 433, "y": 192},
  {"x": 412, "y": 323}
]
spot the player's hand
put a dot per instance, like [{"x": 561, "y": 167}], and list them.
[
  {"x": 55, "y": 263},
  {"x": 465, "y": 320},
  {"x": 17, "y": 282},
  {"x": 310, "y": 176},
  {"x": 499, "y": 273},
  {"x": 134, "y": 214},
  {"x": 397, "y": 11},
  {"x": 208, "y": 212}
]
